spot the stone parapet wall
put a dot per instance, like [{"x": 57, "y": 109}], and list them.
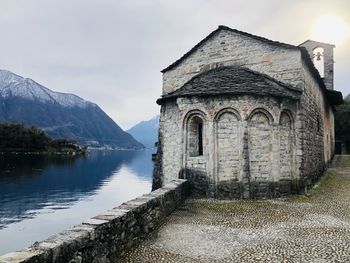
[{"x": 105, "y": 237}]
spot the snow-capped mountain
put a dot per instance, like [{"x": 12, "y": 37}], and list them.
[
  {"x": 14, "y": 85},
  {"x": 146, "y": 132},
  {"x": 60, "y": 115}
]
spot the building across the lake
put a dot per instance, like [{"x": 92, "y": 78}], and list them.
[{"x": 243, "y": 116}]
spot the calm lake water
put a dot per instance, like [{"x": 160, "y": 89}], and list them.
[{"x": 41, "y": 195}]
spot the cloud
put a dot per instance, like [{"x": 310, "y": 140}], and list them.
[{"x": 111, "y": 52}]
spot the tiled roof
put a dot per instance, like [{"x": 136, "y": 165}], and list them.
[{"x": 233, "y": 80}]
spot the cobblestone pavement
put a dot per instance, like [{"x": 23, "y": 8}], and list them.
[{"x": 301, "y": 229}]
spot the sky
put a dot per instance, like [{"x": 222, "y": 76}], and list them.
[{"x": 111, "y": 52}]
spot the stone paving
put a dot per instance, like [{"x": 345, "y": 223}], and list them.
[{"x": 313, "y": 228}]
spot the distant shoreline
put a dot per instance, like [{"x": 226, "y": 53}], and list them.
[
  {"x": 17, "y": 138},
  {"x": 25, "y": 152}
]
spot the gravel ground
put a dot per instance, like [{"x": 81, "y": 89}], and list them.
[{"x": 300, "y": 229}]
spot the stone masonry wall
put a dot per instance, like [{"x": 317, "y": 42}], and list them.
[
  {"x": 105, "y": 237},
  {"x": 229, "y": 147},
  {"x": 230, "y": 138},
  {"x": 260, "y": 148},
  {"x": 317, "y": 124},
  {"x": 171, "y": 130},
  {"x": 286, "y": 132},
  {"x": 227, "y": 48}
]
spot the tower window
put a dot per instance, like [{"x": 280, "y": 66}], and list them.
[{"x": 318, "y": 59}]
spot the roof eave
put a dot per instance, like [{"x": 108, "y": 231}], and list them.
[
  {"x": 187, "y": 54},
  {"x": 335, "y": 97},
  {"x": 322, "y": 43},
  {"x": 164, "y": 99}
]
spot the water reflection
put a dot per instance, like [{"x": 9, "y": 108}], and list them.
[{"x": 43, "y": 195}]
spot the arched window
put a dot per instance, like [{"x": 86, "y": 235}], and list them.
[
  {"x": 318, "y": 59},
  {"x": 195, "y": 136}
]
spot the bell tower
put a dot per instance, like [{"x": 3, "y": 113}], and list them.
[{"x": 321, "y": 55}]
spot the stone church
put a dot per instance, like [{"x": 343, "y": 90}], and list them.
[{"x": 243, "y": 116}]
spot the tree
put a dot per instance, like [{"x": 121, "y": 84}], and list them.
[
  {"x": 18, "y": 138},
  {"x": 342, "y": 122}
]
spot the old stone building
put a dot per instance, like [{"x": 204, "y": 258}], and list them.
[{"x": 243, "y": 116}]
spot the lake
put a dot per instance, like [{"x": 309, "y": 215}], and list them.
[{"x": 43, "y": 195}]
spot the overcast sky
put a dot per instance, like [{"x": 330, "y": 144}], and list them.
[{"x": 111, "y": 52}]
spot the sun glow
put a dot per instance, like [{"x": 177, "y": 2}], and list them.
[{"x": 330, "y": 29}]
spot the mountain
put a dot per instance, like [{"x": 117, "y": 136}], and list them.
[
  {"x": 60, "y": 115},
  {"x": 146, "y": 132}
]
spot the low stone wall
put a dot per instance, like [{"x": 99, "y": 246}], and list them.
[{"x": 105, "y": 237}]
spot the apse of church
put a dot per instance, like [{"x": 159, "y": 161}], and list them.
[{"x": 243, "y": 116}]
